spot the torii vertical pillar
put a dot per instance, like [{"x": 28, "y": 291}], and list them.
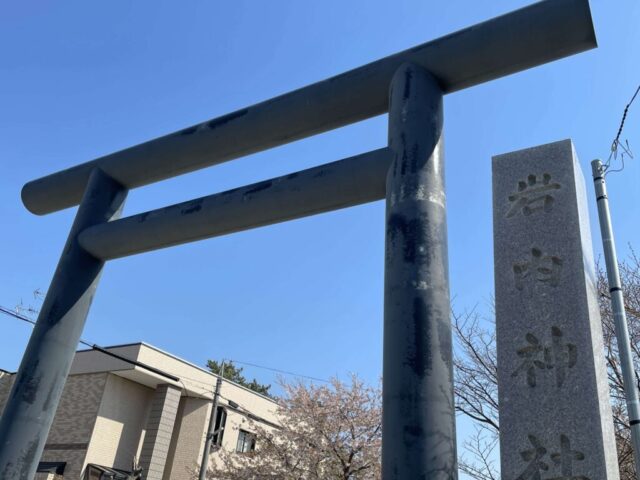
[
  {"x": 419, "y": 440},
  {"x": 36, "y": 392}
]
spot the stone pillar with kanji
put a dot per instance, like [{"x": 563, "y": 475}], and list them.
[{"x": 555, "y": 412}]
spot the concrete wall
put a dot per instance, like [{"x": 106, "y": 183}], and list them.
[
  {"x": 6, "y": 382},
  {"x": 236, "y": 422},
  {"x": 188, "y": 438},
  {"x": 120, "y": 425},
  {"x": 160, "y": 426},
  {"x": 91, "y": 361},
  {"x": 74, "y": 422},
  {"x": 247, "y": 401},
  {"x": 195, "y": 380}
]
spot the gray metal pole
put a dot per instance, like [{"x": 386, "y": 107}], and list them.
[
  {"x": 617, "y": 308},
  {"x": 418, "y": 436},
  {"x": 45, "y": 365},
  {"x": 204, "y": 465},
  {"x": 537, "y": 34}
]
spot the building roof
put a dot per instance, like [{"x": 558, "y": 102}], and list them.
[{"x": 195, "y": 380}]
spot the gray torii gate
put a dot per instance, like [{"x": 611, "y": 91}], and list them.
[{"x": 418, "y": 406}]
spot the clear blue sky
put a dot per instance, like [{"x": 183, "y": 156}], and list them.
[{"x": 81, "y": 79}]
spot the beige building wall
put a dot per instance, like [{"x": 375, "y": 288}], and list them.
[
  {"x": 188, "y": 438},
  {"x": 236, "y": 422},
  {"x": 106, "y": 406},
  {"x": 200, "y": 383},
  {"x": 74, "y": 422},
  {"x": 6, "y": 382},
  {"x": 160, "y": 426},
  {"x": 91, "y": 361},
  {"x": 247, "y": 401},
  {"x": 119, "y": 427}
]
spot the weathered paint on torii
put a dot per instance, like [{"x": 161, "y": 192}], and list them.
[{"x": 419, "y": 421}]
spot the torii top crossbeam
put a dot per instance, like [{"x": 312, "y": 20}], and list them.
[{"x": 522, "y": 39}]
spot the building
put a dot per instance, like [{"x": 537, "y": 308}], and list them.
[{"x": 155, "y": 411}]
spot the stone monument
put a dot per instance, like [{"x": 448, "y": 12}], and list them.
[{"x": 555, "y": 414}]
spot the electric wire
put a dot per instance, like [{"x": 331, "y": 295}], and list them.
[
  {"x": 205, "y": 387},
  {"x": 245, "y": 411},
  {"x": 285, "y": 372},
  {"x": 96, "y": 347},
  {"x": 616, "y": 144}
]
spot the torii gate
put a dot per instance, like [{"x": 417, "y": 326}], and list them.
[{"x": 418, "y": 406}]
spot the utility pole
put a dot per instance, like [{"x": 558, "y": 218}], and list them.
[
  {"x": 211, "y": 431},
  {"x": 617, "y": 308}
]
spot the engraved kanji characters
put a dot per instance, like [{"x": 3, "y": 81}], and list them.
[
  {"x": 540, "y": 268},
  {"x": 531, "y": 359},
  {"x": 536, "y": 465},
  {"x": 545, "y": 356},
  {"x": 563, "y": 460},
  {"x": 557, "y": 356},
  {"x": 533, "y": 194},
  {"x": 560, "y": 356}
]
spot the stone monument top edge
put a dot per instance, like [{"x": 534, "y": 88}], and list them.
[{"x": 567, "y": 143}]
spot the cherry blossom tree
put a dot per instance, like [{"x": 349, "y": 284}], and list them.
[{"x": 329, "y": 431}]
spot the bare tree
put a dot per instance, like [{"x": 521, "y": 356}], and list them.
[
  {"x": 477, "y": 387},
  {"x": 327, "y": 432},
  {"x": 630, "y": 276},
  {"x": 476, "y": 393}
]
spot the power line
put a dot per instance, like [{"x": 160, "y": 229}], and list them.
[
  {"x": 232, "y": 404},
  {"x": 91, "y": 345},
  {"x": 24, "y": 318},
  {"x": 97, "y": 348},
  {"x": 210, "y": 386},
  {"x": 17, "y": 315},
  {"x": 624, "y": 117},
  {"x": 285, "y": 372},
  {"x": 615, "y": 145}
]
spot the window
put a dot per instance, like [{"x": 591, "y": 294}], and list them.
[
  {"x": 51, "y": 469},
  {"x": 246, "y": 442},
  {"x": 221, "y": 421},
  {"x": 99, "y": 472}
]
